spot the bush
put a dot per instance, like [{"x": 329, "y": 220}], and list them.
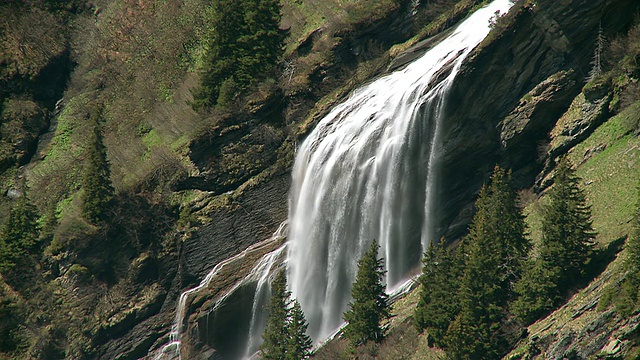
[{"x": 228, "y": 93}]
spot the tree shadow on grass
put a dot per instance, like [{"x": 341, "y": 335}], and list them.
[{"x": 601, "y": 259}]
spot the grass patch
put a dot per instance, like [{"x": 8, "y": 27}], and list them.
[
  {"x": 610, "y": 177},
  {"x": 152, "y": 139},
  {"x": 59, "y": 173},
  {"x": 608, "y": 162},
  {"x": 303, "y": 17}
]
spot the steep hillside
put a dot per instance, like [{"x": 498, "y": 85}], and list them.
[
  {"x": 190, "y": 188},
  {"x": 594, "y": 120}
]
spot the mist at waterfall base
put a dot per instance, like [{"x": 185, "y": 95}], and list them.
[{"x": 367, "y": 172}]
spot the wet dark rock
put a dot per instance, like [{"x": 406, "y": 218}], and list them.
[{"x": 244, "y": 221}]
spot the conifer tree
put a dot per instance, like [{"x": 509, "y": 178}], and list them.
[
  {"x": 440, "y": 284},
  {"x": 633, "y": 244},
  {"x": 567, "y": 232},
  {"x": 19, "y": 234},
  {"x": 496, "y": 246},
  {"x": 98, "y": 191},
  {"x": 628, "y": 298},
  {"x": 596, "y": 62},
  {"x": 245, "y": 44},
  {"x": 567, "y": 239},
  {"x": 299, "y": 343},
  {"x": 275, "y": 334},
  {"x": 285, "y": 336},
  {"x": 537, "y": 291},
  {"x": 369, "y": 307},
  {"x": 10, "y": 318}
]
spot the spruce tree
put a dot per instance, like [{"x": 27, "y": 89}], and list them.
[
  {"x": 440, "y": 284},
  {"x": 275, "y": 334},
  {"x": 299, "y": 344},
  {"x": 19, "y": 235},
  {"x": 285, "y": 336},
  {"x": 567, "y": 232},
  {"x": 596, "y": 63},
  {"x": 496, "y": 247},
  {"x": 98, "y": 191},
  {"x": 567, "y": 239},
  {"x": 633, "y": 244},
  {"x": 369, "y": 307},
  {"x": 245, "y": 44},
  {"x": 627, "y": 299},
  {"x": 221, "y": 57},
  {"x": 537, "y": 291}
]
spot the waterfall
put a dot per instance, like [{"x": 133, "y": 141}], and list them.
[
  {"x": 260, "y": 275},
  {"x": 368, "y": 172}
]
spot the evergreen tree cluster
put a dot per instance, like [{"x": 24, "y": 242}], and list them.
[
  {"x": 566, "y": 245},
  {"x": 440, "y": 280},
  {"x": 19, "y": 235},
  {"x": 370, "y": 307},
  {"x": 245, "y": 44},
  {"x": 473, "y": 302},
  {"x": 285, "y": 336},
  {"x": 494, "y": 251}
]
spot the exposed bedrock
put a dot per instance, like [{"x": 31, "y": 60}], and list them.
[{"x": 511, "y": 91}]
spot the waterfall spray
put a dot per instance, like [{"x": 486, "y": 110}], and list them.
[{"x": 369, "y": 171}]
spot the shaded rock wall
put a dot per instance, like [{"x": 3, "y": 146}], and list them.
[
  {"x": 252, "y": 217},
  {"x": 532, "y": 43},
  {"x": 543, "y": 51}
]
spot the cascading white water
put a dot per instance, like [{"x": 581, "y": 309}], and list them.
[
  {"x": 368, "y": 172},
  {"x": 259, "y": 274}
]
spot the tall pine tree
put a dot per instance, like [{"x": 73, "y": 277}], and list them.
[
  {"x": 566, "y": 244},
  {"x": 496, "y": 247},
  {"x": 98, "y": 191},
  {"x": 369, "y": 308},
  {"x": 299, "y": 344},
  {"x": 245, "y": 44},
  {"x": 285, "y": 336},
  {"x": 627, "y": 298},
  {"x": 275, "y": 333},
  {"x": 633, "y": 244},
  {"x": 440, "y": 284},
  {"x": 567, "y": 232},
  {"x": 19, "y": 235},
  {"x": 537, "y": 291}
]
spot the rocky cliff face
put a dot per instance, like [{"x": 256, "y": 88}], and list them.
[
  {"x": 502, "y": 107},
  {"x": 242, "y": 177},
  {"x": 511, "y": 91},
  {"x": 233, "y": 190}
]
